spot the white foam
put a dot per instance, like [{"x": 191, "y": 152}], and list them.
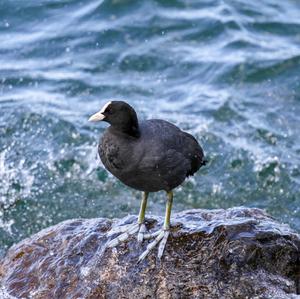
[{"x": 13, "y": 172}]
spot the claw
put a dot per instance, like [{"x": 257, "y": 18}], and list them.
[
  {"x": 141, "y": 233},
  {"x": 132, "y": 229},
  {"x": 162, "y": 244},
  {"x": 161, "y": 237},
  {"x": 119, "y": 229},
  {"x": 126, "y": 231},
  {"x": 151, "y": 236}
]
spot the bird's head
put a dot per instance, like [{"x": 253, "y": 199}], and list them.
[{"x": 120, "y": 115}]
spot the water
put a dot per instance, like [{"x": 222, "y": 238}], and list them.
[{"x": 226, "y": 71}]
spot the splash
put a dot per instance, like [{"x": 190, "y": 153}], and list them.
[{"x": 16, "y": 180}]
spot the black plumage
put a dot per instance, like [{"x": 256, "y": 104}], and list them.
[{"x": 150, "y": 155}]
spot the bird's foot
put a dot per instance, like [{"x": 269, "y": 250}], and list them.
[
  {"x": 161, "y": 237},
  {"x": 126, "y": 231}
]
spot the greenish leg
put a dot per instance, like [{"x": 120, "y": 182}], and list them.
[
  {"x": 130, "y": 229},
  {"x": 143, "y": 208},
  {"x": 161, "y": 235},
  {"x": 168, "y": 210},
  {"x": 142, "y": 230}
]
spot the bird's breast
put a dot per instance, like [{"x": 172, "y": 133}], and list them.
[
  {"x": 117, "y": 154},
  {"x": 110, "y": 156}
]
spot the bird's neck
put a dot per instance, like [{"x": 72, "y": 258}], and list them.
[{"x": 130, "y": 128}]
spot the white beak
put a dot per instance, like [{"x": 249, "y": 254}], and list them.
[{"x": 97, "y": 116}]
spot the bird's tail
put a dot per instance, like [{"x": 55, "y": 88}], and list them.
[{"x": 204, "y": 162}]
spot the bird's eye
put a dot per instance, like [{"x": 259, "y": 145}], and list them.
[{"x": 108, "y": 110}]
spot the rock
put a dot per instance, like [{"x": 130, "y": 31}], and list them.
[{"x": 235, "y": 253}]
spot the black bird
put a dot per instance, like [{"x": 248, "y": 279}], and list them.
[{"x": 149, "y": 156}]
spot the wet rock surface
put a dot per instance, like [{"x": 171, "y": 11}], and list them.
[{"x": 234, "y": 253}]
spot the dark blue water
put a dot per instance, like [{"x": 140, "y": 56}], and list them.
[{"x": 226, "y": 71}]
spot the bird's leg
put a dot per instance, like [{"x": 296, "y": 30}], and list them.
[
  {"x": 161, "y": 235},
  {"x": 141, "y": 219},
  {"x": 130, "y": 229}
]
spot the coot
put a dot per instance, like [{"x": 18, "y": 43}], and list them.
[{"x": 149, "y": 156}]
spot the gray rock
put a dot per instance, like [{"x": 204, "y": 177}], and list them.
[{"x": 235, "y": 253}]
